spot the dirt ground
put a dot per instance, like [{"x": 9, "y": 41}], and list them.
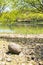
[{"x": 24, "y": 58}]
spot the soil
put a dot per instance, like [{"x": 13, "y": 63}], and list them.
[{"x": 26, "y": 57}]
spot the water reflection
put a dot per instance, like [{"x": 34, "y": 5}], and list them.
[{"x": 7, "y": 31}]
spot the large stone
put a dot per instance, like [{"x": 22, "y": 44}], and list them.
[{"x": 14, "y": 48}]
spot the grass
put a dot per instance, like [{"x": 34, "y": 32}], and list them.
[{"x": 23, "y": 29}]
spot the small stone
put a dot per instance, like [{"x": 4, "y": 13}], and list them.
[
  {"x": 1, "y": 51},
  {"x": 21, "y": 54},
  {"x": 8, "y": 59},
  {"x": 2, "y": 63},
  {"x": 1, "y": 58},
  {"x": 41, "y": 62},
  {"x": 23, "y": 63},
  {"x": 33, "y": 63}
]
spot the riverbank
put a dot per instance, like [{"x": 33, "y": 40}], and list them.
[{"x": 29, "y": 55}]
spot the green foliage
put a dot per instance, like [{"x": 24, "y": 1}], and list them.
[
  {"x": 15, "y": 16},
  {"x": 22, "y": 10},
  {"x": 38, "y": 4},
  {"x": 8, "y": 17}
]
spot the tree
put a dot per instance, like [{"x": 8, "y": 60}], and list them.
[
  {"x": 2, "y": 6},
  {"x": 38, "y": 4}
]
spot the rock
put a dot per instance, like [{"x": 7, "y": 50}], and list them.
[
  {"x": 32, "y": 63},
  {"x": 39, "y": 52},
  {"x": 40, "y": 62},
  {"x": 14, "y": 48},
  {"x": 21, "y": 54},
  {"x": 8, "y": 59},
  {"x": 23, "y": 63},
  {"x": 2, "y": 63},
  {"x": 1, "y": 58}
]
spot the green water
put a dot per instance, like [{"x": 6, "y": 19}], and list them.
[{"x": 22, "y": 29}]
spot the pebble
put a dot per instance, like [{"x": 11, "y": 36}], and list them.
[
  {"x": 23, "y": 63},
  {"x": 2, "y": 63},
  {"x": 8, "y": 59},
  {"x": 1, "y": 58},
  {"x": 21, "y": 54},
  {"x": 1, "y": 51},
  {"x": 32, "y": 63},
  {"x": 41, "y": 62}
]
